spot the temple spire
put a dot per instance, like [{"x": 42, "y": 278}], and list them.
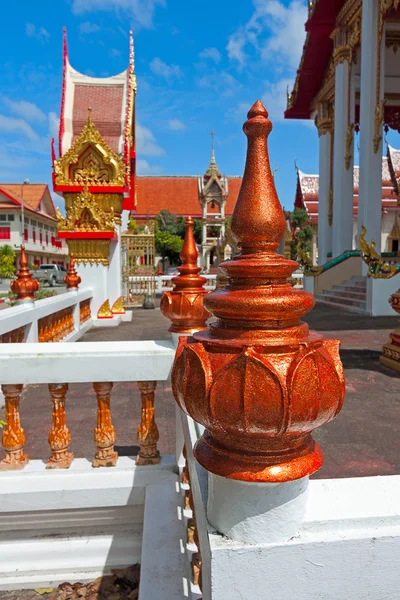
[{"x": 213, "y": 169}]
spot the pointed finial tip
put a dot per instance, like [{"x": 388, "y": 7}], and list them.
[
  {"x": 189, "y": 220},
  {"x": 257, "y": 110},
  {"x": 257, "y": 124}
]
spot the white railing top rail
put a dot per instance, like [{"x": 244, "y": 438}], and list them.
[
  {"x": 21, "y": 315},
  {"x": 86, "y": 362}
]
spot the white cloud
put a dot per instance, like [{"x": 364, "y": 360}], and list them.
[
  {"x": 114, "y": 52},
  {"x": 141, "y": 11},
  {"x": 54, "y": 124},
  {"x": 275, "y": 30},
  {"x": 211, "y": 53},
  {"x": 89, "y": 27},
  {"x": 274, "y": 98},
  {"x": 40, "y": 33},
  {"x": 221, "y": 82},
  {"x": 12, "y": 125},
  {"x": 176, "y": 125},
  {"x": 144, "y": 168},
  {"x": 146, "y": 143},
  {"x": 26, "y": 110},
  {"x": 161, "y": 68}
]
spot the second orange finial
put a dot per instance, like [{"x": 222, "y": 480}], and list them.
[
  {"x": 184, "y": 305},
  {"x": 72, "y": 279},
  {"x": 24, "y": 287}
]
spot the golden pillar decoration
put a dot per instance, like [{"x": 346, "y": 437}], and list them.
[
  {"x": 104, "y": 311},
  {"x": 256, "y": 380},
  {"x": 59, "y": 436},
  {"x": 147, "y": 434},
  {"x": 104, "y": 434},
  {"x": 24, "y": 287},
  {"x": 184, "y": 305},
  {"x": 118, "y": 307},
  {"x": 13, "y": 438}
]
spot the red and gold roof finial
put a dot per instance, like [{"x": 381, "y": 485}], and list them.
[
  {"x": 257, "y": 380},
  {"x": 24, "y": 287},
  {"x": 72, "y": 279},
  {"x": 184, "y": 305}
]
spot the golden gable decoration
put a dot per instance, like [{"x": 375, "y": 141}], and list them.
[
  {"x": 86, "y": 215},
  {"x": 90, "y": 161}
]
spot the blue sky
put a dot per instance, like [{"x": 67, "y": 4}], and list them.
[{"x": 200, "y": 64}]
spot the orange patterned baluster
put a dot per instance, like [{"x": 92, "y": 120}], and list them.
[
  {"x": 59, "y": 436},
  {"x": 104, "y": 434},
  {"x": 196, "y": 561},
  {"x": 147, "y": 434},
  {"x": 13, "y": 438}
]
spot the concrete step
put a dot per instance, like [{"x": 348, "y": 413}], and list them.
[
  {"x": 346, "y": 293},
  {"x": 344, "y": 300},
  {"x": 163, "y": 560},
  {"x": 322, "y": 300}
]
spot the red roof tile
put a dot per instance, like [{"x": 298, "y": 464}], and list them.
[
  {"x": 106, "y": 104},
  {"x": 179, "y": 195},
  {"x": 33, "y": 196},
  {"x": 308, "y": 189}
]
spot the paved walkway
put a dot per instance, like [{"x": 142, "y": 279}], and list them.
[{"x": 363, "y": 440}]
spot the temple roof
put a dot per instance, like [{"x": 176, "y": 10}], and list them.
[
  {"x": 177, "y": 194},
  {"x": 36, "y": 197},
  {"x": 110, "y": 98},
  {"x": 307, "y": 190},
  {"x": 317, "y": 51}
]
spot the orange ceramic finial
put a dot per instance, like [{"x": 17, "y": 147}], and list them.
[
  {"x": 184, "y": 305},
  {"x": 72, "y": 279},
  {"x": 258, "y": 218},
  {"x": 24, "y": 287},
  {"x": 257, "y": 380}
]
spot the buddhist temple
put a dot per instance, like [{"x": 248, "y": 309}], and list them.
[
  {"x": 307, "y": 197},
  {"x": 348, "y": 82},
  {"x": 95, "y": 172},
  {"x": 210, "y": 197}
]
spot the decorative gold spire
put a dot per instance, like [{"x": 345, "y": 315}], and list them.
[
  {"x": 184, "y": 305},
  {"x": 256, "y": 380},
  {"x": 24, "y": 287},
  {"x": 213, "y": 169}
]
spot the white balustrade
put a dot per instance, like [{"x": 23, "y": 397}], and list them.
[
  {"x": 78, "y": 523},
  {"x": 26, "y": 319}
]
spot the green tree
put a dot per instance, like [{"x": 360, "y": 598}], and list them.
[
  {"x": 301, "y": 231},
  {"x": 168, "y": 245},
  {"x": 169, "y": 234},
  {"x": 7, "y": 261}
]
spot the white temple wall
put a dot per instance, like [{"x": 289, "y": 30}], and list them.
[
  {"x": 95, "y": 277},
  {"x": 114, "y": 269},
  {"x": 387, "y": 226}
]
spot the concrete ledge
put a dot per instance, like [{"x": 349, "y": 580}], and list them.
[
  {"x": 87, "y": 361},
  {"x": 37, "y": 488},
  {"x": 113, "y": 322},
  {"x": 347, "y": 547},
  {"x": 163, "y": 551}
]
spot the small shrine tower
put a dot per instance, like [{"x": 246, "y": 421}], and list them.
[
  {"x": 95, "y": 174},
  {"x": 213, "y": 194}
]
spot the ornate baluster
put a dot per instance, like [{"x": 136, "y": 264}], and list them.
[
  {"x": 59, "y": 436},
  {"x": 147, "y": 431},
  {"x": 104, "y": 434},
  {"x": 13, "y": 438}
]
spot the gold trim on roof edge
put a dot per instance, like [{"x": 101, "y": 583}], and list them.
[{"x": 89, "y": 136}]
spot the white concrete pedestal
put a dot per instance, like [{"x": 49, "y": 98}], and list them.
[{"x": 256, "y": 513}]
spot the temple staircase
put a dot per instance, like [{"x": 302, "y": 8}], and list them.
[{"x": 350, "y": 295}]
